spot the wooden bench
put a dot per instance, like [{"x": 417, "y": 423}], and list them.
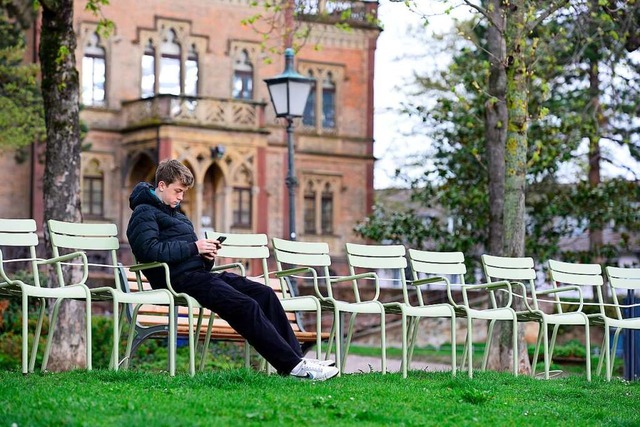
[{"x": 152, "y": 321}]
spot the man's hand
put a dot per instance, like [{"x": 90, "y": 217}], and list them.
[{"x": 208, "y": 248}]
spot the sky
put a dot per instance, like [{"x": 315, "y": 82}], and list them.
[{"x": 392, "y": 71}]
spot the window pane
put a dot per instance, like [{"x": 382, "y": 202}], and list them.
[
  {"x": 242, "y": 207},
  {"x": 191, "y": 78},
  {"x": 169, "y": 75},
  {"x": 328, "y": 108},
  {"x": 327, "y": 213},
  {"x": 92, "y": 195},
  {"x": 310, "y": 213},
  {"x": 148, "y": 76},
  {"x": 93, "y": 73},
  {"x": 309, "y": 115}
]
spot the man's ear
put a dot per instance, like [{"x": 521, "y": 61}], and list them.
[{"x": 161, "y": 186}]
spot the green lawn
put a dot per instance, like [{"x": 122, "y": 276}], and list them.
[{"x": 240, "y": 397}]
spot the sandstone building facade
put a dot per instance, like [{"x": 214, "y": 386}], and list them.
[{"x": 184, "y": 80}]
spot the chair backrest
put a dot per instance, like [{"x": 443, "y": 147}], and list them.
[
  {"x": 446, "y": 264},
  {"x": 621, "y": 278},
  {"x": 371, "y": 258},
  {"x": 19, "y": 233},
  {"x": 304, "y": 254},
  {"x": 514, "y": 269},
  {"x": 575, "y": 274},
  {"x": 239, "y": 246},
  {"x": 74, "y": 236}
]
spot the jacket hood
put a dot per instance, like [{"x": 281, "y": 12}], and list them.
[{"x": 144, "y": 194}]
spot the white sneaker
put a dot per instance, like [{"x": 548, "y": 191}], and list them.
[
  {"x": 313, "y": 371},
  {"x": 320, "y": 362}
]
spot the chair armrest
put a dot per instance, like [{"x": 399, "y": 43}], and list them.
[
  {"x": 298, "y": 270},
  {"x": 564, "y": 289},
  {"x": 229, "y": 266},
  {"x": 137, "y": 268},
  {"x": 490, "y": 287},
  {"x": 67, "y": 257},
  {"x": 427, "y": 280},
  {"x": 355, "y": 277}
]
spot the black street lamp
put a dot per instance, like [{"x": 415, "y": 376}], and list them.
[{"x": 289, "y": 92}]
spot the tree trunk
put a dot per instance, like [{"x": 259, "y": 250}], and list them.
[
  {"x": 496, "y": 124},
  {"x": 62, "y": 165},
  {"x": 515, "y": 163}
]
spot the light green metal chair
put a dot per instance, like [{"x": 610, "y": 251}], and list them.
[
  {"x": 103, "y": 239},
  {"x": 620, "y": 279},
  {"x": 372, "y": 258},
  {"x": 521, "y": 273},
  {"x": 448, "y": 267},
  {"x": 312, "y": 260},
  {"x": 21, "y": 234},
  {"x": 238, "y": 247}
]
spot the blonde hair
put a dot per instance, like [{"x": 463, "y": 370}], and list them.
[{"x": 171, "y": 171}]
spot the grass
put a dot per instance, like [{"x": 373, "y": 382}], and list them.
[{"x": 243, "y": 397}]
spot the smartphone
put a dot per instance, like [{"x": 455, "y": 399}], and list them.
[{"x": 221, "y": 238}]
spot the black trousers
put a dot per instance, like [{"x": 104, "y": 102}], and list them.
[{"x": 252, "y": 309}]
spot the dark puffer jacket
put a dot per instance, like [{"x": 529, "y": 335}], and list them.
[{"x": 158, "y": 232}]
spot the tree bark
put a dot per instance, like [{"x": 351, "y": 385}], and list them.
[
  {"x": 515, "y": 164},
  {"x": 496, "y": 120},
  {"x": 62, "y": 164}
]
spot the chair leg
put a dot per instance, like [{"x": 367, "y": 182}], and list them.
[
  {"x": 414, "y": 326},
  {"x": 545, "y": 348},
  {"x": 514, "y": 330},
  {"x": 404, "y": 346},
  {"x": 115, "y": 353},
  {"x": 89, "y": 339},
  {"x": 207, "y": 340},
  {"x": 318, "y": 333},
  {"x": 553, "y": 341},
  {"x": 603, "y": 351},
  {"x": 192, "y": 360},
  {"x": 587, "y": 347},
  {"x": 454, "y": 356},
  {"x": 338, "y": 338},
  {"x": 172, "y": 340},
  {"x": 383, "y": 341},
  {"x": 536, "y": 353},
  {"x": 36, "y": 335},
  {"x": 616, "y": 335},
  {"x": 132, "y": 330},
  {"x": 347, "y": 344},
  {"x": 47, "y": 348},
  {"x": 487, "y": 346},
  {"x": 469, "y": 345},
  {"x": 25, "y": 333}
]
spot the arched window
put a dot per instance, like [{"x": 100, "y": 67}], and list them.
[
  {"x": 93, "y": 72},
  {"x": 148, "y": 81},
  {"x": 309, "y": 115},
  {"x": 328, "y": 102},
  {"x": 191, "y": 73},
  {"x": 242, "y": 76},
  {"x": 319, "y": 204},
  {"x": 169, "y": 81}
]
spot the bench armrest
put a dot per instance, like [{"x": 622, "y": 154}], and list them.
[{"x": 491, "y": 286}]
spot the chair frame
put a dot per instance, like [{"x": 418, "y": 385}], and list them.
[
  {"x": 520, "y": 272},
  {"x": 393, "y": 257},
  {"x": 22, "y": 233},
  {"x": 618, "y": 278},
  {"x": 439, "y": 265},
  {"x": 104, "y": 238},
  {"x": 306, "y": 257},
  {"x": 255, "y": 246}
]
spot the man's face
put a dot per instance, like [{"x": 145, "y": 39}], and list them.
[{"x": 171, "y": 194}]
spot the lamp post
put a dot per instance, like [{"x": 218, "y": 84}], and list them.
[{"x": 289, "y": 92}]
